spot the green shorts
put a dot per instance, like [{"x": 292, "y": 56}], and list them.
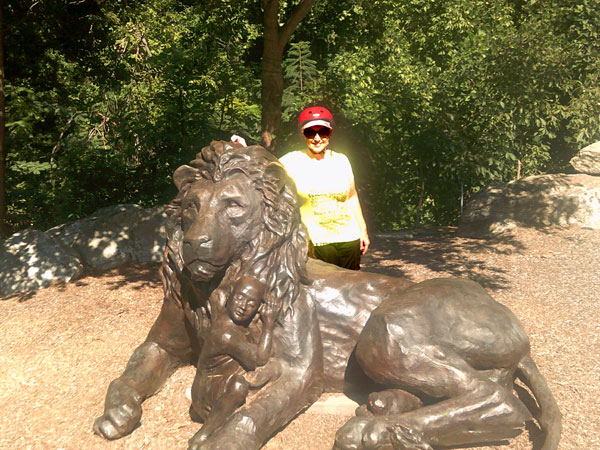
[{"x": 342, "y": 254}]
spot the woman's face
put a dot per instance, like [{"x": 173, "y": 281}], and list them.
[{"x": 317, "y": 138}]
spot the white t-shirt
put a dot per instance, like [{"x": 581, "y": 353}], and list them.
[{"x": 324, "y": 185}]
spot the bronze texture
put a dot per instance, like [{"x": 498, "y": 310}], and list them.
[{"x": 432, "y": 363}]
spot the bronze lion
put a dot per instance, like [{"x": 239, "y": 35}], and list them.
[{"x": 434, "y": 363}]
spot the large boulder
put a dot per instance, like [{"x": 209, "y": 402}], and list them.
[
  {"x": 150, "y": 235},
  {"x": 587, "y": 160},
  {"x": 115, "y": 235},
  {"x": 31, "y": 259},
  {"x": 538, "y": 201}
]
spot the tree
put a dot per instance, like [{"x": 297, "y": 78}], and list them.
[
  {"x": 300, "y": 75},
  {"x": 105, "y": 99},
  {"x": 275, "y": 39},
  {"x": 452, "y": 94},
  {"x": 2, "y": 140}
]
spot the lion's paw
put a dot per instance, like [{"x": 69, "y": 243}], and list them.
[
  {"x": 197, "y": 441},
  {"x": 361, "y": 433},
  {"x": 219, "y": 441},
  {"x": 122, "y": 411},
  {"x": 405, "y": 438},
  {"x": 118, "y": 421}
]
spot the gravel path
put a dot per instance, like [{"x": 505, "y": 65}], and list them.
[{"x": 61, "y": 346}]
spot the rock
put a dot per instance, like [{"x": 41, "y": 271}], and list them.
[
  {"x": 587, "y": 160},
  {"x": 115, "y": 235},
  {"x": 31, "y": 259},
  {"x": 402, "y": 234},
  {"x": 150, "y": 235},
  {"x": 538, "y": 201}
]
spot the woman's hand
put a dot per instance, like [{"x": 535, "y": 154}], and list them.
[
  {"x": 364, "y": 242},
  {"x": 238, "y": 139}
]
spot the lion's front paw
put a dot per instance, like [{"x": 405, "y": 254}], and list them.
[
  {"x": 221, "y": 441},
  {"x": 196, "y": 442},
  {"x": 122, "y": 412},
  {"x": 118, "y": 421}
]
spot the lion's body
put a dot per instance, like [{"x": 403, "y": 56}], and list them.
[
  {"x": 436, "y": 312},
  {"x": 236, "y": 214}
]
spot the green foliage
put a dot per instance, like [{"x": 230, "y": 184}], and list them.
[
  {"x": 456, "y": 94},
  {"x": 299, "y": 69},
  {"x": 106, "y": 99},
  {"x": 109, "y": 123},
  {"x": 300, "y": 74}
]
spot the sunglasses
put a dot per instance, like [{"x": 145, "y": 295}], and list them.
[{"x": 311, "y": 132}]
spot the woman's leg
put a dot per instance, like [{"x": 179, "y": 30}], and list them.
[{"x": 342, "y": 254}]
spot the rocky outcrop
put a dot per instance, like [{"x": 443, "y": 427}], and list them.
[
  {"x": 109, "y": 238},
  {"x": 587, "y": 160},
  {"x": 31, "y": 259},
  {"x": 115, "y": 235},
  {"x": 538, "y": 201}
]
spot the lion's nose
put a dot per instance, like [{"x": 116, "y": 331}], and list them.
[{"x": 190, "y": 249}]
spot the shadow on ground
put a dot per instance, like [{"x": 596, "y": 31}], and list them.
[
  {"x": 445, "y": 252},
  {"x": 135, "y": 275}
]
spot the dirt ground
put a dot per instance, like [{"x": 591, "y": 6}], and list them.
[{"x": 61, "y": 346}]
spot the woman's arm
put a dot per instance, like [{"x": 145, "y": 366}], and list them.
[{"x": 356, "y": 210}]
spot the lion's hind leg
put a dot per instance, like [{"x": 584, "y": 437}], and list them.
[
  {"x": 487, "y": 413},
  {"x": 389, "y": 401},
  {"x": 473, "y": 408}
]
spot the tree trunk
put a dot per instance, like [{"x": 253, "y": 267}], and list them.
[
  {"x": 3, "y": 227},
  {"x": 272, "y": 79},
  {"x": 275, "y": 39},
  {"x": 420, "y": 203}
]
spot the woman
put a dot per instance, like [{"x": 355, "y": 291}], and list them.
[{"x": 331, "y": 210}]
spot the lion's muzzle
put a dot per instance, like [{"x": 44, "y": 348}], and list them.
[{"x": 195, "y": 255}]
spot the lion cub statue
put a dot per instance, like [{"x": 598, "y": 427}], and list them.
[{"x": 433, "y": 363}]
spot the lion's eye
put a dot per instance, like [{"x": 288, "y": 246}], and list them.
[
  {"x": 189, "y": 214},
  {"x": 234, "y": 208},
  {"x": 190, "y": 209}
]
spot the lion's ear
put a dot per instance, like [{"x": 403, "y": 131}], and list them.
[
  {"x": 184, "y": 174},
  {"x": 275, "y": 173}
]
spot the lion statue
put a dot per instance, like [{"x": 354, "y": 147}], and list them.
[{"x": 432, "y": 363}]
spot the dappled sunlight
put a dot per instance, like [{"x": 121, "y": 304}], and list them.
[
  {"x": 135, "y": 276},
  {"x": 419, "y": 257}
]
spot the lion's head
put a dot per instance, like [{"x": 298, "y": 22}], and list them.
[{"x": 236, "y": 214}]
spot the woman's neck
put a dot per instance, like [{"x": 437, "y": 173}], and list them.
[{"x": 317, "y": 155}]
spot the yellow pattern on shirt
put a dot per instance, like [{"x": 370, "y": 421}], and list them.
[{"x": 323, "y": 185}]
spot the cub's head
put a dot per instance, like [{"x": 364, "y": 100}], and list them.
[{"x": 234, "y": 203}]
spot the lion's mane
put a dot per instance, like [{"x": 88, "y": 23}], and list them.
[{"x": 278, "y": 255}]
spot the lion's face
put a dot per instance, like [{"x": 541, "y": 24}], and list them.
[{"x": 219, "y": 219}]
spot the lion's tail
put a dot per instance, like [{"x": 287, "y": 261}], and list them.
[{"x": 550, "y": 416}]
